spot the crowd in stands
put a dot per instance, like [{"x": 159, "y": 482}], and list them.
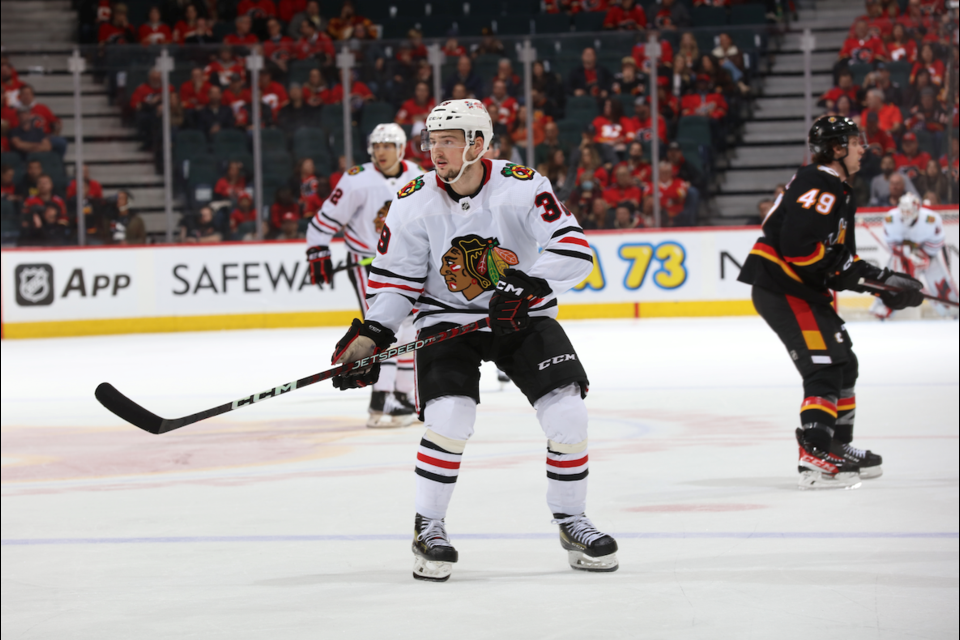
[{"x": 891, "y": 79}]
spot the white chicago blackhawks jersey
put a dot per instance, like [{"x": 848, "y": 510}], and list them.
[
  {"x": 444, "y": 257},
  {"x": 358, "y": 205},
  {"x": 926, "y": 233}
]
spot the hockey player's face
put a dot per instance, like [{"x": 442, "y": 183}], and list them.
[
  {"x": 446, "y": 151},
  {"x": 855, "y": 151},
  {"x": 385, "y": 155}
]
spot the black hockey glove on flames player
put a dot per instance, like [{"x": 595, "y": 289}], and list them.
[
  {"x": 321, "y": 266},
  {"x": 849, "y": 273},
  {"x": 510, "y": 304},
  {"x": 363, "y": 339}
]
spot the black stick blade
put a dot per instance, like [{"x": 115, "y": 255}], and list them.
[{"x": 127, "y": 409}]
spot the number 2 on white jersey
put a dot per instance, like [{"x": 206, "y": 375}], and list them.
[{"x": 824, "y": 203}]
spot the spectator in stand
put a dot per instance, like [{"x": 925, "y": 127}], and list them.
[
  {"x": 612, "y": 131},
  {"x": 8, "y": 185},
  {"x": 28, "y": 183},
  {"x": 311, "y": 13},
  {"x": 489, "y": 45},
  {"x": 689, "y": 49},
  {"x": 670, "y": 16},
  {"x": 673, "y": 199},
  {"x": 189, "y": 26},
  {"x": 625, "y": 216},
  {"x": 154, "y": 32},
  {"x": 284, "y": 203},
  {"x": 881, "y": 142},
  {"x": 316, "y": 91},
  {"x": 214, "y": 116},
  {"x": 624, "y": 189},
  {"x": 243, "y": 213},
  {"x": 465, "y": 76},
  {"x": 290, "y": 226},
  {"x": 845, "y": 109},
  {"x": 644, "y": 64},
  {"x": 928, "y": 61},
  {"x": 417, "y": 108},
  {"x": 304, "y": 183},
  {"x": 224, "y": 67},
  {"x": 200, "y": 229},
  {"x": 359, "y": 94},
  {"x": 342, "y": 28},
  {"x": 243, "y": 35},
  {"x": 881, "y": 186},
  {"x": 118, "y": 30},
  {"x": 551, "y": 144},
  {"x": 417, "y": 48},
  {"x": 313, "y": 44},
  {"x": 91, "y": 188},
  {"x": 43, "y": 119},
  {"x": 880, "y": 79},
  {"x": 549, "y": 84},
  {"x": 915, "y": 18},
  {"x": 889, "y": 117},
  {"x": 898, "y": 188},
  {"x": 29, "y": 137},
  {"x": 507, "y": 150},
  {"x": 123, "y": 226},
  {"x": 234, "y": 183},
  {"x": 845, "y": 87},
  {"x": 297, "y": 114},
  {"x": 452, "y": 49},
  {"x": 912, "y": 162},
  {"x": 146, "y": 103},
  {"x": 201, "y": 36},
  {"x": 901, "y": 46},
  {"x": 277, "y": 48},
  {"x": 929, "y": 116},
  {"x": 683, "y": 170},
  {"x": 599, "y": 215},
  {"x": 921, "y": 82},
  {"x": 506, "y": 75},
  {"x": 555, "y": 170},
  {"x": 10, "y": 84},
  {"x": 731, "y": 60},
  {"x": 644, "y": 123},
  {"x": 639, "y": 169},
  {"x": 861, "y": 47},
  {"x": 257, "y": 9},
  {"x": 43, "y": 226},
  {"x": 195, "y": 92},
  {"x": 933, "y": 180},
  {"x": 519, "y": 130},
  {"x": 585, "y": 192},
  {"x": 272, "y": 94},
  {"x": 628, "y": 82},
  {"x": 706, "y": 102},
  {"x": 590, "y": 79},
  {"x": 45, "y": 196},
  {"x": 626, "y": 17},
  {"x": 506, "y": 106}
]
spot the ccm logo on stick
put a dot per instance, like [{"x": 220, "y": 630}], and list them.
[
  {"x": 557, "y": 360},
  {"x": 263, "y": 395}
]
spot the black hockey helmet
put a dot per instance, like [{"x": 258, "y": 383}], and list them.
[{"x": 828, "y": 130}]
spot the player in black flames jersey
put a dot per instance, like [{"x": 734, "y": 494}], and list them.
[{"x": 808, "y": 250}]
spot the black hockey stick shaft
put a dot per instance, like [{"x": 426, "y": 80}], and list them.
[
  {"x": 879, "y": 286},
  {"x": 127, "y": 409}
]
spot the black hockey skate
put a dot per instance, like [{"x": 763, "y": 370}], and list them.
[
  {"x": 587, "y": 548},
  {"x": 821, "y": 469},
  {"x": 868, "y": 461},
  {"x": 433, "y": 555},
  {"x": 395, "y": 411},
  {"x": 503, "y": 379}
]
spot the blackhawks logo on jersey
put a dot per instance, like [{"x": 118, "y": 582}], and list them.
[
  {"x": 381, "y": 218},
  {"x": 412, "y": 187},
  {"x": 355, "y": 170},
  {"x": 517, "y": 171},
  {"x": 474, "y": 265}
]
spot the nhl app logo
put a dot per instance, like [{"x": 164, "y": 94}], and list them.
[{"x": 34, "y": 285}]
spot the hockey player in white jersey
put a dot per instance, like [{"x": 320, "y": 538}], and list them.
[
  {"x": 916, "y": 240},
  {"x": 358, "y": 207},
  {"x": 474, "y": 238}
]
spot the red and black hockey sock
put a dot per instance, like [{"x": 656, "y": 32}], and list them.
[
  {"x": 846, "y": 414},
  {"x": 567, "y": 479},
  {"x": 437, "y": 469},
  {"x": 819, "y": 418}
]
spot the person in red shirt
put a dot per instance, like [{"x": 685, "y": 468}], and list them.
[
  {"x": 359, "y": 93},
  {"x": 589, "y": 161},
  {"x": 915, "y": 18},
  {"x": 878, "y": 139},
  {"x": 272, "y": 94},
  {"x": 625, "y": 189},
  {"x": 862, "y": 48},
  {"x": 879, "y": 23},
  {"x": 237, "y": 96},
  {"x": 154, "y": 31},
  {"x": 673, "y": 197},
  {"x": 418, "y": 50},
  {"x": 626, "y": 17},
  {"x": 284, "y": 204},
  {"x": 224, "y": 67},
  {"x": 10, "y": 84},
  {"x": 506, "y": 106},
  {"x": 287, "y": 9},
  {"x": 928, "y": 60},
  {"x": 93, "y": 190},
  {"x": 316, "y": 92},
  {"x": 341, "y": 28},
  {"x": 417, "y": 108},
  {"x": 452, "y": 49},
  {"x": 312, "y": 43},
  {"x": 50, "y": 123},
  {"x": 146, "y": 101},
  {"x": 705, "y": 102},
  {"x": 612, "y": 130},
  {"x": 195, "y": 91},
  {"x": 244, "y": 211},
  {"x": 118, "y": 30},
  {"x": 233, "y": 185},
  {"x": 640, "y": 170},
  {"x": 643, "y": 124},
  {"x": 46, "y": 196},
  {"x": 639, "y": 54},
  {"x": 888, "y": 116},
  {"x": 277, "y": 48},
  {"x": 243, "y": 36},
  {"x": 257, "y": 9},
  {"x": 902, "y": 47},
  {"x": 912, "y": 161},
  {"x": 186, "y": 28},
  {"x": 845, "y": 87}
]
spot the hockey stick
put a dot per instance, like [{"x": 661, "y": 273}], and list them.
[
  {"x": 125, "y": 408},
  {"x": 345, "y": 267},
  {"x": 879, "y": 286}
]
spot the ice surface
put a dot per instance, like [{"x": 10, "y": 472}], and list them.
[{"x": 290, "y": 520}]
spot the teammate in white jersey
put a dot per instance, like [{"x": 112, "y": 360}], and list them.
[
  {"x": 916, "y": 240},
  {"x": 358, "y": 207},
  {"x": 461, "y": 243}
]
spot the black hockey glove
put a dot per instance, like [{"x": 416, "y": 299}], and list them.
[
  {"x": 510, "y": 304},
  {"x": 321, "y": 266},
  {"x": 909, "y": 290},
  {"x": 845, "y": 273},
  {"x": 363, "y": 339}
]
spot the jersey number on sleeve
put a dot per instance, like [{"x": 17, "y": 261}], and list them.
[
  {"x": 384, "y": 243},
  {"x": 551, "y": 210},
  {"x": 824, "y": 204},
  {"x": 335, "y": 198}
]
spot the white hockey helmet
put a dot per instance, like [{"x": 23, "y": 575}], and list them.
[
  {"x": 388, "y": 133},
  {"x": 469, "y": 116},
  {"x": 909, "y": 208}
]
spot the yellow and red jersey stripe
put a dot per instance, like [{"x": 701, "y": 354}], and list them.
[
  {"x": 808, "y": 324},
  {"x": 768, "y": 253},
  {"x": 813, "y": 258}
]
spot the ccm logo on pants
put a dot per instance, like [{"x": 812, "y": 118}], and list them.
[{"x": 557, "y": 360}]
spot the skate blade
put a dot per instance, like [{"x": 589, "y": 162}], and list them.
[
  {"x": 583, "y": 562},
  {"x": 870, "y": 473},
  {"x": 815, "y": 480},
  {"x": 431, "y": 571}
]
